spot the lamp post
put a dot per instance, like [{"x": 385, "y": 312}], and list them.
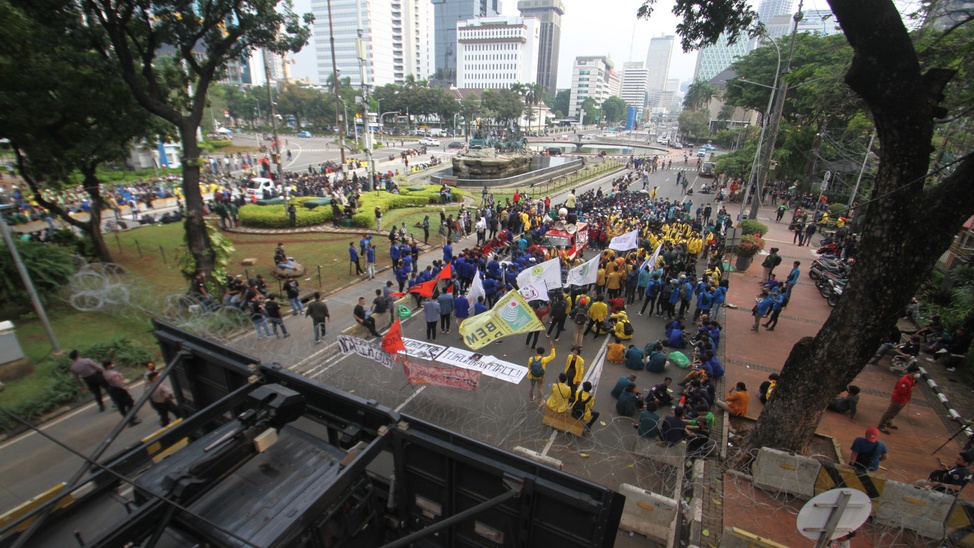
[
  {"x": 276, "y": 155},
  {"x": 779, "y": 103},
  {"x": 25, "y": 277},
  {"x": 335, "y": 84},
  {"x": 362, "y": 54},
  {"x": 764, "y": 124}
]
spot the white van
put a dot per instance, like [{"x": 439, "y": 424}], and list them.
[{"x": 258, "y": 185}]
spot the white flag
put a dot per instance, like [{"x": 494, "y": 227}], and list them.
[
  {"x": 535, "y": 291},
  {"x": 549, "y": 271},
  {"x": 475, "y": 290},
  {"x": 625, "y": 242},
  {"x": 585, "y": 273},
  {"x": 653, "y": 260}
]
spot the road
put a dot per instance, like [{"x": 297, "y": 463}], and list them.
[{"x": 498, "y": 412}]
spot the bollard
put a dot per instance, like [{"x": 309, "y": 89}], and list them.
[
  {"x": 139, "y": 248},
  {"x": 319, "y": 275},
  {"x": 118, "y": 242},
  {"x": 163, "y": 253},
  {"x": 246, "y": 274}
]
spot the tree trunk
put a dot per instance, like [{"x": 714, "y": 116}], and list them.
[
  {"x": 197, "y": 238},
  {"x": 905, "y": 232}
]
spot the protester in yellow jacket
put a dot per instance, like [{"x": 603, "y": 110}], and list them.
[
  {"x": 561, "y": 393},
  {"x": 537, "y": 366}
]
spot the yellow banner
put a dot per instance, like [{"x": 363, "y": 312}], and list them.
[{"x": 510, "y": 316}]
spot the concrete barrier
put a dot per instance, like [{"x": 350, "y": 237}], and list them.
[
  {"x": 779, "y": 471},
  {"x": 659, "y": 451},
  {"x": 911, "y": 507},
  {"x": 832, "y": 475},
  {"x": 538, "y": 457},
  {"x": 647, "y": 513},
  {"x": 960, "y": 524}
]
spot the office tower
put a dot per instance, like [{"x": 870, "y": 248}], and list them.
[
  {"x": 633, "y": 87},
  {"x": 592, "y": 76},
  {"x": 658, "y": 66},
  {"x": 446, "y": 15},
  {"x": 495, "y": 52},
  {"x": 549, "y": 13}
]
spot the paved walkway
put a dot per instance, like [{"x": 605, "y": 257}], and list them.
[{"x": 751, "y": 357}]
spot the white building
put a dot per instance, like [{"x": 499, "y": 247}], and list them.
[
  {"x": 813, "y": 21},
  {"x": 496, "y": 52},
  {"x": 592, "y": 76},
  {"x": 633, "y": 86},
  {"x": 658, "y": 66},
  {"x": 396, "y": 34}
]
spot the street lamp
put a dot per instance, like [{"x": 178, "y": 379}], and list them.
[{"x": 764, "y": 124}]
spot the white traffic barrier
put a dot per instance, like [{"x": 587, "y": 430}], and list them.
[
  {"x": 911, "y": 507},
  {"x": 647, "y": 513},
  {"x": 780, "y": 471}
]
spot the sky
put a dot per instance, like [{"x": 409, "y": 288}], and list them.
[{"x": 589, "y": 27}]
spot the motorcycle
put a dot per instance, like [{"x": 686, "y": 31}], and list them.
[
  {"x": 821, "y": 267},
  {"x": 835, "y": 293}
]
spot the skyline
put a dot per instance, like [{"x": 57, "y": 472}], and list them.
[{"x": 617, "y": 34}]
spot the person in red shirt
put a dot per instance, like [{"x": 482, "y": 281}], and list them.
[{"x": 902, "y": 393}]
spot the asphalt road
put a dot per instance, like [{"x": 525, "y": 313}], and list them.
[{"x": 498, "y": 412}]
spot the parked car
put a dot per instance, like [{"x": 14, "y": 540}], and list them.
[
  {"x": 455, "y": 144},
  {"x": 677, "y": 145},
  {"x": 709, "y": 147},
  {"x": 707, "y": 169},
  {"x": 305, "y": 134},
  {"x": 553, "y": 151},
  {"x": 430, "y": 142},
  {"x": 702, "y": 152}
]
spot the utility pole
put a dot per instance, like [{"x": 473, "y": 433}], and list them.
[
  {"x": 338, "y": 96},
  {"x": 25, "y": 277},
  {"x": 276, "y": 156},
  {"x": 776, "y": 119},
  {"x": 865, "y": 160},
  {"x": 361, "y": 51}
]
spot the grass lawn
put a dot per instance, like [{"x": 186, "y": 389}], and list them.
[
  {"x": 546, "y": 189},
  {"x": 73, "y": 329}
]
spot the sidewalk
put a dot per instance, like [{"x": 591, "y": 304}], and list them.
[{"x": 923, "y": 425}]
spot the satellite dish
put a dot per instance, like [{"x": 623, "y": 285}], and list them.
[
  {"x": 571, "y": 229},
  {"x": 834, "y": 513}
]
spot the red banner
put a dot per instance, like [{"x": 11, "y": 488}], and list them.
[
  {"x": 417, "y": 373},
  {"x": 446, "y": 273},
  {"x": 424, "y": 289},
  {"x": 392, "y": 341}
]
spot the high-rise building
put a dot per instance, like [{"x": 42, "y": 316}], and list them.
[
  {"x": 592, "y": 77},
  {"x": 446, "y": 15},
  {"x": 549, "y": 13},
  {"x": 495, "y": 52},
  {"x": 813, "y": 21},
  {"x": 396, "y": 34},
  {"x": 712, "y": 60},
  {"x": 658, "y": 62},
  {"x": 949, "y": 13},
  {"x": 633, "y": 87}
]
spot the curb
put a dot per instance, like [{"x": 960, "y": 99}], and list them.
[{"x": 943, "y": 399}]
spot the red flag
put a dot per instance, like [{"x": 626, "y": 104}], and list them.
[
  {"x": 392, "y": 340},
  {"x": 397, "y": 294},
  {"x": 446, "y": 273},
  {"x": 424, "y": 289}
]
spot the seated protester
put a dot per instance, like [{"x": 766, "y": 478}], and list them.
[
  {"x": 623, "y": 328},
  {"x": 673, "y": 430},
  {"x": 716, "y": 367},
  {"x": 703, "y": 422},
  {"x": 616, "y": 305},
  {"x": 950, "y": 480},
  {"x": 771, "y": 283},
  {"x": 560, "y": 395},
  {"x": 938, "y": 342},
  {"x": 868, "y": 451},
  {"x": 649, "y": 421},
  {"x": 582, "y": 407},
  {"x": 934, "y": 327},
  {"x": 846, "y": 404},
  {"x": 767, "y": 387},
  {"x": 621, "y": 385},
  {"x": 675, "y": 324},
  {"x": 634, "y": 358},
  {"x": 616, "y": 353},
  {"x": 693, "y": 397},
  {"x": 660, "y": 393},
  {"x": 657, "y": 362},
  {"x": 737, "y": 401},
  {"x": 675, "y": 337},
  {"x": 709, "y": 390},
  {"x": 626, "y": 406},
  {"x": 908, "y": 349}
]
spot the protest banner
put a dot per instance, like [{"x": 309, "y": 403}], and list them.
[
  {"x": 349, "y": 344},
  {"x": 417, "y": 373},
  {"x": 509, "y": 316}
]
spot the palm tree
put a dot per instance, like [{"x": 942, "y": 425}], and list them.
[{"x": 699, "y": 95}]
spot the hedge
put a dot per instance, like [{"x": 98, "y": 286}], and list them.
[
  {"x": 275, "y": 216},
  {"x": 750, "y": 226}
]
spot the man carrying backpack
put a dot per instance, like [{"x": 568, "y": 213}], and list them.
[
  {"x": 583, "y": 404},
  {"x": 536, "y": 370},
  {"x": 580, "y": 317}
]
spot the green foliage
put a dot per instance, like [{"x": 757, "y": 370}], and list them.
[
  {"x": 49, "y": 267},
  {"x": 699, "y": 95},
  {"x": 704, "y": 23},
  {"x": 222, "y": 249},
  {"x": 219, "y": 143},
  {"x": 835, "y": 210},
  {"x": 750, "y": 226},
  {"x": 695, "y": 123},
  {"x": 275, "y": 216},
  {"x": 561, "y": 102},
  {"x": 61, "y": 387},
  {"x": 614, "y": 109},
  {"x": 503, "y": 105}
]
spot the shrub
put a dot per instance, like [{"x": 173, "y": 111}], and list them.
[
  {"x": 836, "y": 210},
  {"x": 750, "y": 246},
  {"x": 220, "y": 143},
  {"x": 49, "y": 266},
  {"x": 275, "y": 216},
  {"x": 749, "y": 226}
]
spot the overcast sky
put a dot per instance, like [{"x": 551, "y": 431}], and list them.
[{"x": 589, "y": 27}]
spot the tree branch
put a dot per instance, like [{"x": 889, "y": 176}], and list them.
[{"x": 35, "y": 190}]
